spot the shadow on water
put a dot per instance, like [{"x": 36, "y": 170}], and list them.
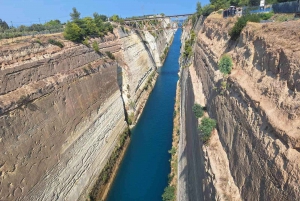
[{"x": 143, "y": 173}]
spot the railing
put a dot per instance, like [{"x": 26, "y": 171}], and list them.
[
  {"x": 261, "y": 10},
  {"x": 286, "y": 7}
]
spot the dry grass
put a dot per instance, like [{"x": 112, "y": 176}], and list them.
[
  {"x": 216, "y": 15},
  {"x": 282, "y": 17},
  {"x": 175, "y": 137}
]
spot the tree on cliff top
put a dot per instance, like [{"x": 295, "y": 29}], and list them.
[
  {"x": 52, "y": 23},
  {"x": 115, "y": 18},
  {"x": 78, "y": 28},
  {"x": 199, "y": 8},
  {"x": 75, "y": 15},
  {"x": 3, "y": 25},
  {"x": 73, "y": 32}
]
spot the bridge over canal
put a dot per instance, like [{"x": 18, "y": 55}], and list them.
[{"x": 156, "y": 22}]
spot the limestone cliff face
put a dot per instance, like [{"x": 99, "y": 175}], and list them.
[
  {"x": 62, "y": 111},
  {"x": 258, "y": 112},
  {"x": 141, "y": 56}
]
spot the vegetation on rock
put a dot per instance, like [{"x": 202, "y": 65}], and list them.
[
  {"x": 225, "y": 64},
  {"x": 108, "y": 168},
  {"x": 241, "y": 23},
  {"x": 169, "y": 193},
  {"x": 206, "y": 127},
  {"x": 96, "y": 46},
  {"x": 78, "y": 29},
  {"x": 56, "y": 42},
  {"x": 110, "y": 55},
  {"x": 198, "y": 110}
]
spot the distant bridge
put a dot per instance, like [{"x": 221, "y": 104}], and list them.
[
  {"x": 156, "y": 22},
  {"x": 154, "y": 17}
]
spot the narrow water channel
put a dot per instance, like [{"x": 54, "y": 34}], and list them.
[{"x": 143, "y": 174}]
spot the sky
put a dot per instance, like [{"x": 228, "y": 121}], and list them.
[{"x": 17, "y": 12}]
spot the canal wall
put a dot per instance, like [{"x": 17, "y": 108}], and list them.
[
  {"x": 254, "y": 152},
  {"x": 62, "y": 111},
  {"x": 141, "y": 56}
]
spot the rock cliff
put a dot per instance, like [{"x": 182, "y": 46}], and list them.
[
  {"x": 142, "y": 54},
  {"x": 254, "y": 153},
  {"x": 62, "y": 111}
]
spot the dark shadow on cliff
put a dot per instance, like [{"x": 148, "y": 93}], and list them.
[
  {"x": 195, "y": 155},
  {"x": 120, "y": 85}
]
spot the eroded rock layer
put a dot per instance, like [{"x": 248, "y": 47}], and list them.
[
  {"x": 62, "y": 111},
  {"x": 258, "y": 111}
]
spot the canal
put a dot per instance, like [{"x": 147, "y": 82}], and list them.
[{"x": 143, "y": 173}]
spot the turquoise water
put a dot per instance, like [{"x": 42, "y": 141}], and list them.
[{"x": 143, "y": 174}]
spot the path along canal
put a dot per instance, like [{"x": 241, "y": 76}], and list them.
[{"x": 143, "y": 173}]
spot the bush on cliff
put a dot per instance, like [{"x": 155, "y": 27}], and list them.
[
  {"x": 206, "y": 127},
  {"x": 241, "y": 23},
  {"x": 110, "y": 55},
  {"x": 95, "y": 46},
  {"x": 169, "y": 193},
  {"x": 56, "y": 42},
  {"x": 198, "y": 110},
  {"x": 188, "y": 49},
  {"x": 225, "y": 64}
]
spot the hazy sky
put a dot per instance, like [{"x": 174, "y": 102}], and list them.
[{"x": 32, "y": 11}]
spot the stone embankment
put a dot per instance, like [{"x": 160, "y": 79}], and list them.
[{"x": 62, "y": 110}]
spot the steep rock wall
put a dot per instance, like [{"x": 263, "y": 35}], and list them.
[
  {"x": 62, "y": 111},
  {"x": 61, "y": 114},
  {"x": 257, "y": 113},
  {"x": 204, "y": 170}
]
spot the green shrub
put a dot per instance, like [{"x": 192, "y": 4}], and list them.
[
  {"x": 166, "y": 50},
  {"x": 95, "y": 46},
  {"x": 172, "y": 151},
  {"x": 86, "y": 42},
  {"x": 170, "y": 178},
  {"x": 169, "y": 193},
  {"x": 225, "y": 64},
  {"x": 207, "y": 10},
  {"x": 73, "y": 32},
  {"x": 241, "y": 23},
  {"x": 130, "y": 119},
  {"x": 265, "y": 16},
  {"x": 55, "y": 42},
  {"x": 206, "y": 127},
  {"x": 193, "y": 36},
  {"x": 110, "y": 55},
  {"x": 223, "y": 84},
  {"x": 187, "y": 49},
  {"x": 38, "y": 41},
  {"x": 198, "y": 110}
]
